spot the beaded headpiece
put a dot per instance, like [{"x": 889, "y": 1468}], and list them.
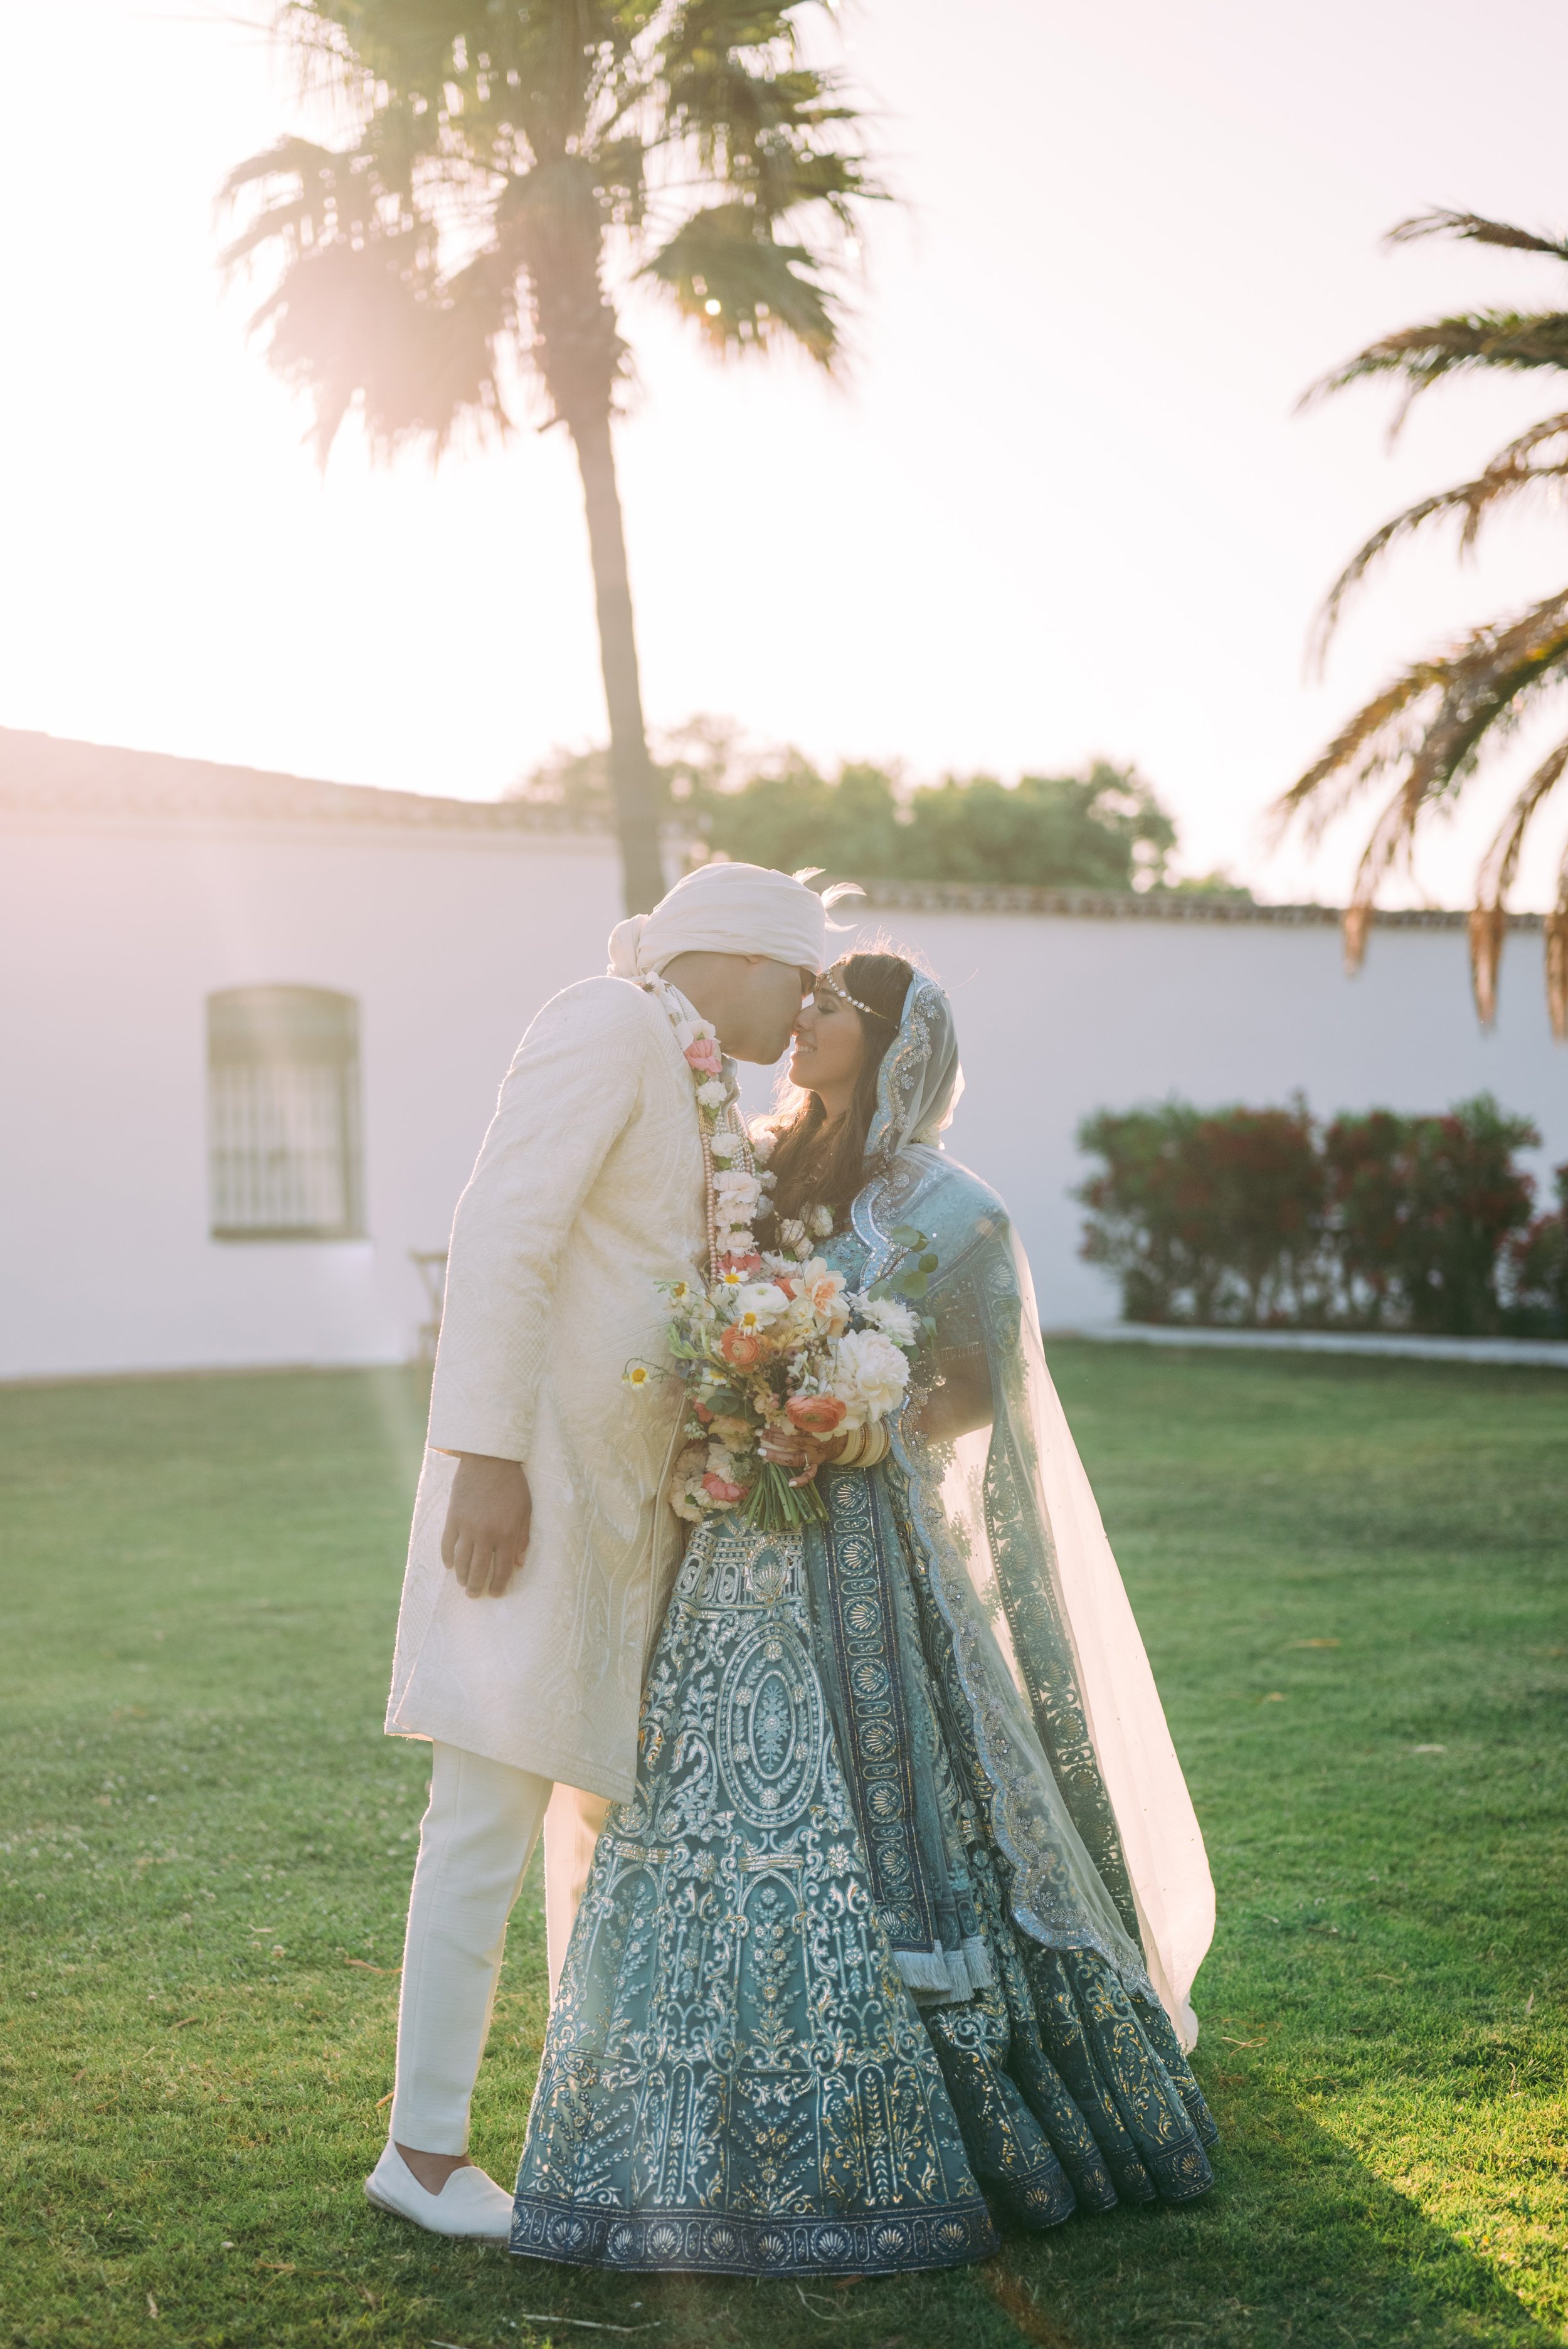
[{"x": 835, "y": 987}]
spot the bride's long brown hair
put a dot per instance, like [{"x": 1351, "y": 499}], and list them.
[{"x": 819, "y": 1163}]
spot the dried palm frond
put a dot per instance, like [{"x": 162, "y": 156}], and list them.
[
  {"x": 1488, "y": 919},
  {"x": 1555, "y": 927},
  {"x": 1487, "y": 925}
]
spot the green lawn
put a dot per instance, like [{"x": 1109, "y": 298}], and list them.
[{"x": 1350, "y": 1577}]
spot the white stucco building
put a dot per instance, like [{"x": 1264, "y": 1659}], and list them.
[{"x": 252, "y": 1029}]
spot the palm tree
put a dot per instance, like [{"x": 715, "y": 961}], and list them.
[
  {"x": 1429, "y": 730},
  {"x": 508, "y": 162}
]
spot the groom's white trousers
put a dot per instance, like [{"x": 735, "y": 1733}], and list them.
[{"x": 476, "y": 1840}]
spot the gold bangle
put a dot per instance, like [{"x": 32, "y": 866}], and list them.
[{"x": 864, "y": 1448}]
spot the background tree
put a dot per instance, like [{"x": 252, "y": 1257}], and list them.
[
  {"x": 512, "y": 163},
  {"x": 1430, "y": 728},
  {"x": 1101, "y": 830}
]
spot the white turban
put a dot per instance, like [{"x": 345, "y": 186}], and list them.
[{"x": 739, "y": 909}]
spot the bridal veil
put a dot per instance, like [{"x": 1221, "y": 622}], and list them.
[{"x": 1091, "y": 1809}]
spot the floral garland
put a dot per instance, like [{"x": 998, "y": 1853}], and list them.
[
  {"x": 770, "y": 1339},
  {"x": 733, "y": 1188}
]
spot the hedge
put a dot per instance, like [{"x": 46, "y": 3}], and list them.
[{"x": 1266, "y": 1219}]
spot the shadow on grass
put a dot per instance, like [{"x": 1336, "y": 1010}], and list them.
[{"x": 1299, "y": 2243}]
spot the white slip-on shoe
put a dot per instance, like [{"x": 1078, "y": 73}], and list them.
[{"x": 470, "y": 2204}]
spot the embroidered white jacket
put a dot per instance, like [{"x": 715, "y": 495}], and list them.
[{"x": 588, "y": 1189}]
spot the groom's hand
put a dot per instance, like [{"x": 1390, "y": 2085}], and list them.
[{"x": 488, "y": 1520}]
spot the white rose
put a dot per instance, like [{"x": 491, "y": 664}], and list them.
[
  {"x": 870, "y": 1373},
  {"x": 762, "y": 1141},
  {"x": 758, "y": 1304},
  {"x": 712, "y": 1093},
  {"x": 726, "y": 1146},
  {"x": 890, "y": 1315}
]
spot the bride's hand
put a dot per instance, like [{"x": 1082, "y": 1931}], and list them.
[{"x": 790, "y": 1449}]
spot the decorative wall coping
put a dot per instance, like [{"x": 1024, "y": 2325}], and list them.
[{"x": 1142, "y": 905}]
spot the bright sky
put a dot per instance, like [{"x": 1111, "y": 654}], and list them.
[{"x": 1060, "y": 505}]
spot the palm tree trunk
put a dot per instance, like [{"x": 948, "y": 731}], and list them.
[{"x": 631, "y": 770}]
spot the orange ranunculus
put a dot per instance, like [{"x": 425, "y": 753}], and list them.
[
  {"x": 816, "y": 1415},
  {"x": 740, "y": 1350}
]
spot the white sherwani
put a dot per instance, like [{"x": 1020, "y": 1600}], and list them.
[{"x": 588, "y": 1189}]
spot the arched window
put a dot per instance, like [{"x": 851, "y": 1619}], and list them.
[{"x": 282, "y": 1091}]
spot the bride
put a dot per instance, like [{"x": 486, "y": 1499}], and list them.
[{"x": 895, "y": 1938}]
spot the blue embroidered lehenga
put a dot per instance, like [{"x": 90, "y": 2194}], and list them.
[{"x": 863, "y": 1966}]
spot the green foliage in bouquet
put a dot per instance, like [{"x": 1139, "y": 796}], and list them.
[{"x": 911, "y": 1283}]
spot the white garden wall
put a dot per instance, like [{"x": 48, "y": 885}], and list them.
[
  {"x": 132, "y": 887},
  {"x": 1058, "y": 1017}
]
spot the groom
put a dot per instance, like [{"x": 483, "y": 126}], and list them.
[{"x": 541, "y": 1545}]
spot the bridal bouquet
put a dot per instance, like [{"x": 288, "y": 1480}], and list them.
[{"x": 773, "y": 1343}]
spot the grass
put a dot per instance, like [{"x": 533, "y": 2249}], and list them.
[{"x": 1350, "y": 1577}]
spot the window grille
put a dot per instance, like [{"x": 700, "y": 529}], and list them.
[{"x": 283, "y": 1088}]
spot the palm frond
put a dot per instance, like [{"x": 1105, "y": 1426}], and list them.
[
  {"x": 758, "y": 121},
  {"x": 1472, "y": 227},
  {"x": 361, "y": 312},
  {"x": 1426, "y": 729},
  {"x": 1420, "y": 356},
  {"x": 1390, "y": 836},
  {"x": 373, "y": 324},
  {"x": 1364, "y": 746},
  {"x": 1499, "y": 866},
  {"x": 728, "y": 271},
  {"x": 1506, "y": 478}
]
